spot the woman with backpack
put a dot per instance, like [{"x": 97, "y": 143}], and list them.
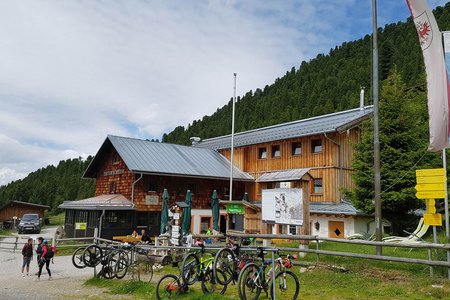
[{"x": 47, "y": 254}]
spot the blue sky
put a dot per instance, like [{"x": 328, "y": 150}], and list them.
[{"x": 75, "y": 71}]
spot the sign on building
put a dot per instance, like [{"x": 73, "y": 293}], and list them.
[{"x": 282, "y": 206}]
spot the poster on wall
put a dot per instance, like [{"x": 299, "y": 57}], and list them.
[{"x": 282, "y": 206}]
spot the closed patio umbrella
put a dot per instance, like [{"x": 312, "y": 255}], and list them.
[
  {"x": 186, "y": 225},
  {"x": 164, "y": 212},
  {"x": 215, "y": 210}
]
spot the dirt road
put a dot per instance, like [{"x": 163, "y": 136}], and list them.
[{"x": 67, "y": 281}]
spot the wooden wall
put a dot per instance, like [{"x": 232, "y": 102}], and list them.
[
  {"x": 18, "y": 210},
  {"x": 333, "y": 164},
  {"x": 115, "y": 170}
]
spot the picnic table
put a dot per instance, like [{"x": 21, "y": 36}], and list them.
[{"x": 127, "y": 239}]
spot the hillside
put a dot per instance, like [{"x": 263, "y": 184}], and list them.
[
  {"x": 51, "y": 185},
  {"x": 325, "y": 84}
]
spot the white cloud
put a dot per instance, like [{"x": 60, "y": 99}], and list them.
[{"x": 74, "y": 71}]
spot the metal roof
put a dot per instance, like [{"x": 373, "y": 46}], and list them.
[
  {"x": 143, "y": 156},
  {"x": 102, "y": 202},
  {"x": 288, "y": 175},
  {"x": 343, "y": 208},
  {"x": 25, "y": 203},
  {"x": 339, "y": 121}
]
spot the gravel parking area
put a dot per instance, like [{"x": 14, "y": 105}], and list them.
[{"x": 67, "y": 281}]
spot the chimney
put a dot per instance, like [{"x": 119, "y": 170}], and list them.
[
  {"x": 195, "y": 140},
  {"x": 361, "y": 99}
]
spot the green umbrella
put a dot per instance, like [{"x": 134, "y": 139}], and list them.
[
  {"x": 164, "y": 212},
  {"x": 215, "y": 210},
  {"x": 186, "y": 225}
]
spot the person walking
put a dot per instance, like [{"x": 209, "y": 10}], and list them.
[
  {"x": 45, "y": 260},
  {"x": 27, "y": 253},
  {"x": 40, "y": 240}
]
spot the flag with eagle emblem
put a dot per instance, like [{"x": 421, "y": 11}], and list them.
[{"x": 437, "y": 79}]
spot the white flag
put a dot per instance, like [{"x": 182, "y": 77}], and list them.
[{"x": 437, "y": 81}]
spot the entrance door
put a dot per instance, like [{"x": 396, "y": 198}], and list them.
[{"x": 336, "y": 229}]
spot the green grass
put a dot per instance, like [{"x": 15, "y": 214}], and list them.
[
  {"x": 6, "y": 231},
  {"x": 365, "y": 279},
  {"x": 56, "y": 219}
]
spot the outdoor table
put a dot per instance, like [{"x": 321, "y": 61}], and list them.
[{"x": 127, "y": 239}]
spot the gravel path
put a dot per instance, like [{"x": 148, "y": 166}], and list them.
[{"x": 67, "y": 281}]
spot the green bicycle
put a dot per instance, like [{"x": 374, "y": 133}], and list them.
[{"x": 199, "y": 268}]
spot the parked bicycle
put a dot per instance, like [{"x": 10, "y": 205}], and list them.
[
  {"x": 113, "y": 259},
  {"x": 229, "y": 261},
  {"x": 252, "y": 279},
  {"x": 170, "y": 286},
  {"x": 141, "y": 267},
  {"x": 197, "y": 266}
]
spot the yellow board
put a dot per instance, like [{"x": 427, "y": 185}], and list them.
[
  {"x": 80, "y": 226},
  {"x": 430, "y": 172},
  {"x": 432, "y": 219},
  {"x": 431, "y": 179},
  {"x": 426, "y": 187},
  {"x": 430, "y": 195}
]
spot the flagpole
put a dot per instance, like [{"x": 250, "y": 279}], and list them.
[
  {"x": 447, "y": 227},
  {"x": 232, "y": 140},
  {"x": 376, "y": 138}
]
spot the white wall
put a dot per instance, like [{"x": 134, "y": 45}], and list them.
[
  {"x": 351, "y": 225},
  {"x": 196, "y": 214}
]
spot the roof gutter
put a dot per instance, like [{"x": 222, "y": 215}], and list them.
[
  {"x": 340, "y": 162},
  {"x": 132, "y": 189}
]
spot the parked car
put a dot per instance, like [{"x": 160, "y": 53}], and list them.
[{"x": 29, "y": 223}]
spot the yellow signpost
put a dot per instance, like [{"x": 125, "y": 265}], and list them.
[{"x": 431, "y": 184}]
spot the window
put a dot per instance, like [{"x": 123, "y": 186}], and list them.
[
  {"x": 92, "y": 219},
  {"x": 262, "y": 153},
  {"x": 292, "y": 229},
  {"x": 81, "y": 216},
  {"x": 316, "y": 146},
  {"x": 205, "y": 224},
  {"x": 115, "y": 158},
  {"x": 276, "y": 152},
  {"x": 117, "y": 219},
  {"x": 69, "y": 216},
  {"x": 296, "y": 148},
  {"x": 112, "y": 187},
  {"x": 318, "y": 189}
]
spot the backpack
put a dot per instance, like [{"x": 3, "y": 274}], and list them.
[{"x": 50, "y": 252}]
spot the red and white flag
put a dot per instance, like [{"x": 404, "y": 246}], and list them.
[{"x": 437, "y": 81}]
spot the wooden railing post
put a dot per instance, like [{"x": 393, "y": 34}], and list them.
[{"x": 430, "y": 257}]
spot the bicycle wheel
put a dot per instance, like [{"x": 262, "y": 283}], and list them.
[
  {"x": 77, "y": 258},
  {"x": 210, "y": 285},
  {"x": 121, "y": 267},
  {"x": 109, "y": 269},
  {"x": 224, "y": 261},
  {"x": 250, "y": 282},
  {"x": 144, "y": 271},
  {"x": 168, "y": 287},
  {"x": 92, "y": 255},
  {"x": 190, "y": 268},
  {"x": 287, "y": 286}
]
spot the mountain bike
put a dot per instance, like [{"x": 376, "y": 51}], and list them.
[
  {"x": 170, "y": 286},
  {"x": 197, "y": 266},
  {"x": 229, "y": 261},
  {"x": 141, "y": 268},
  {"x": 252, "y": 279}
]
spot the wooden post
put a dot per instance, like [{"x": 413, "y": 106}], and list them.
[{"x": 430, "y": 257}]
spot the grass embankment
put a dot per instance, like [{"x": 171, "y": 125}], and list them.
[
  {"x": 57, "y": 219},
  {"x": 364, "y": 279}
]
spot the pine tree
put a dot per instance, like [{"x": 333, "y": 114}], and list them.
[{"x": 403, "y": 149}]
